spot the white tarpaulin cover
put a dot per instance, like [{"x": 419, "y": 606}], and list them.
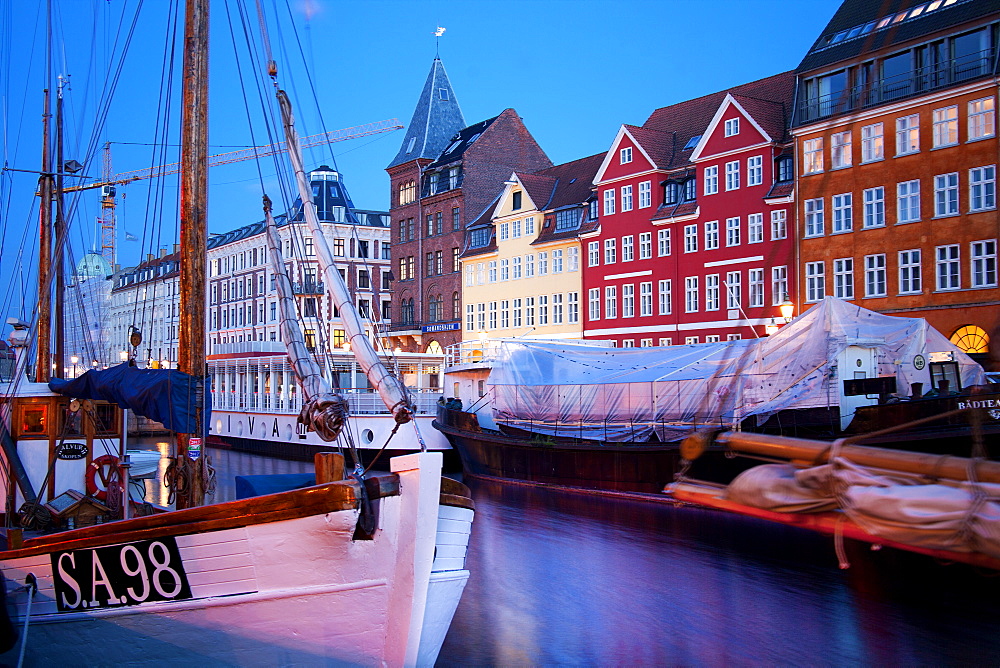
[{"x": 625, "y": 394}]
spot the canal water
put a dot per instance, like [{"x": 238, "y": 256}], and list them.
[{"x": 572, "y": 578}]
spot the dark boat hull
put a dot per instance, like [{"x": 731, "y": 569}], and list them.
[{"x": 623, "y": 467}]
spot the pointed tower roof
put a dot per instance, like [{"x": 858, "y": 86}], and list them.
[{"x": 435, "y": 121}]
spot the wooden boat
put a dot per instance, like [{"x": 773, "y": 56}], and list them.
[
  {"x": 357, "y": 569},
  {"x": 941, "y": 506}
]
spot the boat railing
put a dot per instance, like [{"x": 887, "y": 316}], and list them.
[
  {"x": 362, "y": 402},
  {"x": 486, "y": 350}
]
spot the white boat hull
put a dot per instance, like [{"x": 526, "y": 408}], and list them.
[{"x": 297, "y": 591}]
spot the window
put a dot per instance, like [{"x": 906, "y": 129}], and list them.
[
  {"x": 645, "y": 299},
  {"x": 690, "y": 294},
  {"x": 786, "y": 168},
  {"x": 843, "y": 212},
  {"x": 625, "y": 155},
  {"x": 557, "y": 309},
  {"x": 611, "y": 301},
  {"x": 543, "y": 264},
  {"x": 733, "y": 231},
  {"x": 504, "y": 232},
  {"x": 529, "y": 265},
  {"x": 872, "y": 143},
  {"x": 407, "y": 192},
  {"x": 843, "y": 278},
  {"x": 691, "y": 340},
  {"x": 572, "y": 307},
  {"x": 945, "y": 126},
  {"x": 713, "y": 338},
  {"x": 594, "y": 304},
  {"x": 711, "y": 180},
  {"x": 529, "y": 311},
  {"x": 690, "y": 238},
  {"x": 455, "y": 262},
  {"x": 505, "y": 269},
  {"x": 946, "y": 194},
  {"x": 908, "y": 134},
  {"x": 626, "y": 198},
  {"x": 609, "y": 201},
  {"x": 732, "y": 127},
  {"x": 815, "y": 281},
  {"x": 984, "y": 263},
  {"x": 515, "y": 268},
  {"x": 908, "y": 201},
  {"x": 593, "y": 253},
  {"x": 755, "y": 228},
  {"x": 814, "y": 217},
  {"x": 671, "y": 193},
  {"x": 645, "y": 194},
  {"x": 456, "y": 218},
  {"x": 909, "y": 272},
  {"x": 628, "y": 246},
  {"x": 812, "y": 156},
  {"x": 628, "y": 300},
  {"x": 492, "y": 270},
  {"x": 755, "y": 170},
  {"x": 515, "y": 201},
  {"x": 982, "y": 119},
  {"x": 779, "y": 284},
  {"x": 572, "y": 259},
  {"x": 645, "y": 343},
  {"x": 779, "y": 227},
  {"x": 610, "y": 251},
  {"x": 529, "y": 225},
  {"x": 712, "y": 292},
  {"x": 732, "y": 175},
  {"x": 874, "y": 207},
  {"x": 645, "y": 245},
  {"x": 557, "y": 261},
  {"x": 982, "y": 188},
  {"x": 663, "y": 242},
  {"x": 875, "y": 275},
  {"x": 711, "y": 235},
  {"x": 948, "y": 277},
  {"x": 690, "y": 190},
  {"x": 840, "y": 150},
  {"x": 543, "y": 310},
  {"x": 666, "y": 342},
  {"x": 734, "y": 289},
  {"x": 756, "y": 280},
  {"x": 665, "y": 297}
]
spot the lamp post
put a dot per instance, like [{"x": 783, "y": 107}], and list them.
[
  {"x": 74, "y": 359},
  {"x": 787, "y": 309}
]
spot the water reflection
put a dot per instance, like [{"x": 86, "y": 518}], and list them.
[{"x": 562, "y": 578}]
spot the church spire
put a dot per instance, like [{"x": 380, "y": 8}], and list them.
[{"x": 436, "y": 119}]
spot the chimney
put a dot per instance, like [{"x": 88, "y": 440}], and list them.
[
  {"x": 163, "y": 252},
  {"x": 149, "y": 257},
  {"x": 177, "y": 248}
]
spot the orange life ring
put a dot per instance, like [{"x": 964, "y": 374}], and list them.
[{"x": 96, "y": 470}]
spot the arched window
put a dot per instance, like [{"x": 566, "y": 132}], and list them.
[
  {"x": 434, "y": 348},
  {"x": 971, "y": 339}
]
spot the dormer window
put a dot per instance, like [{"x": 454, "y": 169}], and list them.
[
  {"x": 672, "y": 193},
  {"x": 785, "y": 168},
  {"x": 625, "y": 155},
  {"x": 592, "y": 210},
  {"x": 690, "y": 190},
  {"x": 443, "y": 93},
  {"x": 479, "y": 238},
  {"x": 692, "y": 142},
  {"x": 515, "y": 201},
  {"x": 732, "y": 127}
]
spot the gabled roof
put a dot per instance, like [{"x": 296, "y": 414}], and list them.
[
  {"x": 763, "y": 107},
  {"x": 457, "y": 144},
  {"x": 436, "y": 118},
  {"x": 861, "y": 26},
  {"x": 570, "y": 182},
  {"x": 668, "y": 130}
]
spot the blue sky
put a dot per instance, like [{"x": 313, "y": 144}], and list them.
[{"x": 573, "y": 69}]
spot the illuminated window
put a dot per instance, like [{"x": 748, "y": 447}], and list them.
[{"x": 971, "y": 339}]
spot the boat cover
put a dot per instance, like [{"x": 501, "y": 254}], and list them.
[
  {"x": 628, "y": 394},
  {"x": 163, "y": 395}
]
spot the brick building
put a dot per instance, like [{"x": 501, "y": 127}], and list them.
[
  {"x": 444, "y": 177},
  {"x": 895, "y": 127}
]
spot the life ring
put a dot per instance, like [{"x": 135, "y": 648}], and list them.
[{"x": 96, "y": 470}]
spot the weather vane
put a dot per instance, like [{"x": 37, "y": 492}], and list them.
[{"x": 437, "y": 42}]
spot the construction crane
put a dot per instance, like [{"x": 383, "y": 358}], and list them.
[{"x": 108, "y": 183}]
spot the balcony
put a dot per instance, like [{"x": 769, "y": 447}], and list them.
[
  {"x": 308, "y": 288},
  {"x": 918, "y": 81}
]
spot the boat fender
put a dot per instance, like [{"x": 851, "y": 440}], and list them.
[
  {"x": 96, "y": 469},
  {"x": 8, "y": 634}
]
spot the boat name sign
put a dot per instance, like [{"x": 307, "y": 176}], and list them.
[
  {"x": 117, "y": 575},
  {"x": 71, "y": 451}
]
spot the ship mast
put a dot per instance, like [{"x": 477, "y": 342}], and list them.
[{"x": 193, "y": 237}]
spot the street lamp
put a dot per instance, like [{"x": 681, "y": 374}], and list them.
[
  {"x": 787, "y": 309},
  {"x": 123, "y": 355},
  {"x": 74, "y": 359},
  {"x": 771, "y": 328}
]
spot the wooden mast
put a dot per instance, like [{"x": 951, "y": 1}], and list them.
[
  {"x": 43, "y": 362},
  {"x": 59, "y": 247},
  {"x": 193, "y": 235}
]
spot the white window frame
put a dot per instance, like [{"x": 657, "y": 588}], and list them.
[
  {"x": 983, "y": 263},
  {"x": 611, "y": 301},
  {"x": 815, "y": 281},
  {"x": 842, "y": 206},
  {"x": 948, "y": 267},
  {"x": 593, "y": 253},
  {"x": 908, "y": 201},
  {"x": 908, "y": 134},
  {"x": 711, "y": 235},
  {"x": 755, "y": 170},
  {"x": 628, "y": 300},
  {"x": 755, "y": 281},
  {"x": 779, "y": 224},
  {"x": 731, "y": 127},
  {"x": 983, "y": 188},
  {"x": 628, "y": 248},
  {"x": 609, "y": 202},
  {"x": 734, "y": 290},
  {"x": 610, "y": 251},
  {"x": 733, "y": 231},
  {"x": 910, "y": 270},
  {"x": 712, "y": 292},
  {"x": 646, "y": 299},
  {"x": 594, "y": 304},
  {"x": 663, "y": 245},
  {"x": 945, "y": 126},
  {"x": 665, "y": 296},
  {"x": 812, "y": 156},
  {"x": 691, "y": 238},
  {"x": 946, "y": 195},
  {"x": 626, "y": 198},
  {"x": 982, "y": 118},
  {"x": 875, "y": 275},
  {"x": 755, "y": 228},
  {"x": 779, "y": 284},
  {"x": 841, "y": 147},
  {"x": 711, "y": 180},
  {"x": 874, "y": 205},
  {"x": 645, "y": 194},
  {"x": 625, "y": 155},
  {"x": 645, "y": 245},
  {"x": 814, "y": 215},
  {"x": 691, "y": 294},
  {"x": 733, "y": 175},
  {"x": 843, "y": 278},
  {"x": 872, "y": 143}
]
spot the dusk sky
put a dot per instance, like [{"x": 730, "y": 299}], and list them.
[{"x": 573, "y": 70}]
